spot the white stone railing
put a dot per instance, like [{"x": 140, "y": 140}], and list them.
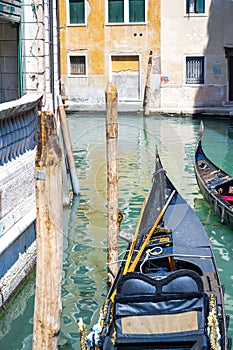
[{"x": 18, "y": 129}]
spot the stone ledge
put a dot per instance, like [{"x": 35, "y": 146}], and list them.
[
  {"x": 15, "y": 232},
  {"x": 16, "y": 215},
  {"x": 16, "y": 166},
  {"x": 16, "y": 275}
]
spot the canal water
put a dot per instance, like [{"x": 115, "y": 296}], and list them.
[{"x": 84, "y": 269}]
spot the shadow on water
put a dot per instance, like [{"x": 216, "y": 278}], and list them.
[{"x": 84, "y": 268}]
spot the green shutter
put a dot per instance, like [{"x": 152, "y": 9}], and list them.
[
  {"x": 137, "y": 10},
  {"x": 77, "y": 11},
  {"x": 187, "y": 6},
  {"x": 200, "y": 6},
  {"x": 116, "y": 11}
]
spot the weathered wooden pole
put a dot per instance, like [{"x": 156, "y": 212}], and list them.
[
  {"x": 68, "y": 147},
  {"x": 48, "y": 168},
  {"x": 146, "y": 102},
  {"x": 112, "y": 179}
]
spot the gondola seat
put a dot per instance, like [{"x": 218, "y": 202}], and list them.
[
  {"x": 154, "y": 312},
  {"x": 228, "y": 198}
]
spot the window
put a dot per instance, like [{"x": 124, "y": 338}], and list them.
[
  {"x": 78, "y": 65},
  {"x": 195, "y": 70},
  {"x": 136, "y": 10},
  {"x": 126, "y": 11},
  {"x": 77, "y": 11},
  {"x": 195, "y": 6}
]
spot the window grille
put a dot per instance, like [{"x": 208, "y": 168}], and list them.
[
  {"x": 195, "y": 70},
  {"x": 78, "y": 65}
]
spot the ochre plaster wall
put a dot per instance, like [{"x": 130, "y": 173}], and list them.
[{"x": 99, "y": 41}]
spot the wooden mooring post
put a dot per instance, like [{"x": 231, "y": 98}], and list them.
[
  {"x": 112, "y": 180},
  {"x": 48, "y": 169},
  {"x": 68, "y": 147},
  {"x": 146, "y": 102}
]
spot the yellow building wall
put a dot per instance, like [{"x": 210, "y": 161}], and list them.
[
  {"x": 100, "y": 41},
  {"x": 121, "y": 63},
  {"x": 82, "y": 39}
]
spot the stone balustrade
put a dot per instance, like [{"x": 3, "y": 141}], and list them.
[
  {"x": 18, "y": 129},
  {"x": 18, "y": 126}
]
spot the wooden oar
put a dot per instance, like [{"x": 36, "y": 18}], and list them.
[
  {"x": 138, "y": 256},
  {"x": 128, "y": 260},
  {"x": 129, "y": 256}
]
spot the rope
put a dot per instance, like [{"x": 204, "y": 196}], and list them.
[
  {"x": 115, "y": 262},
  {"x": 146, "y": 241},
  {"x": 151, "y": 252}
]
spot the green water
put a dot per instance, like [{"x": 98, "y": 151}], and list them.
[{"x": 84, "y": 276}]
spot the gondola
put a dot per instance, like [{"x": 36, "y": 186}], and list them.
[
  {"x": 167, "y": 293},
  {"x": 215, "y": 185}
]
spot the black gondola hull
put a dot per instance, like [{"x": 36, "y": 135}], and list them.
[{"x": 214, "y": 185}]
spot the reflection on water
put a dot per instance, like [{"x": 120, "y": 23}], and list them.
[
  {"x": 16, "y": 322},
  {"x": 85, "y": 241}
]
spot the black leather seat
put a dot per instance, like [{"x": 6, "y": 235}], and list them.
[{"x": 170, "y": 311}]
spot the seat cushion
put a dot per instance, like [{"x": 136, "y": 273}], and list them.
[{"x": 146, "y": 321}]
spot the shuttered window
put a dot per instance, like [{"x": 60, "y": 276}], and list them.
[
  {"x": 77, "y": 65},
  {"x": 195, "y": 6},
  {"x": 77, "y": 11},
  {"x": 195, "y": 70},
  {"x": 116, "y": 11},
  {"x": 137, "y": 10},
  {"x": 126, "y": 11}
]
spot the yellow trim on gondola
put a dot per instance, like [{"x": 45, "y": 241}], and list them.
[
  {"x": 138, "y": 256},
  {"x": 131, "y": 268},
  {"x": 128, "y": 260},
  {"x": 129, "y": 256}
]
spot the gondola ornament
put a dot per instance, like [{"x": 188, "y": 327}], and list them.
[
  {"x": 83, "y": 335},
  {"x": 213, "y": 326}
]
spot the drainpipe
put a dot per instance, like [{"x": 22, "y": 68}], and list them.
[
  {"x": 51, "y": 50},
  {"x": 58, "y": 45},
  {"x": 19, "y": 61}
]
